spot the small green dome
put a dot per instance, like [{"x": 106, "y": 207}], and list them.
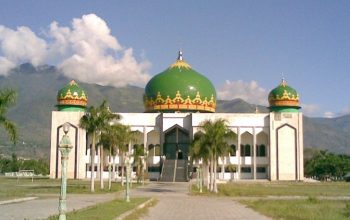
[
  {"x": 284, "y": 98},
  {"x": 71, "y": 98},
  {"x": 179, "y": 88}
]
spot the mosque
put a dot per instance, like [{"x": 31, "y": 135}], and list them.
[{"x": 267, "y": 145}]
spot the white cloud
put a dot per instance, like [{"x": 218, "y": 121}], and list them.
[
  {"x": 344, "y": 111},
  {"x": 329, "y": 115},
  {"x": 86, "y": 51},
  {"x": 21, "y": 45},
  {"x": 248, "y": 91},
  {"x": 94, "y": 51},
  {"x": 310, "y": 109},
  {"x": 5, "y": 65}
]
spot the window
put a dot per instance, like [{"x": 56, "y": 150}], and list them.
[
  {"x": 246, "y": 169},
  {"x": 261, "y": 150},
  {"x": 157, "y": 150},
  {"x": 154, "y": 169},
  {"x": 150, "y": 147},
  {"x": 230, "y": 168},
  {"x": 233, "y": 150},
  {"x": 153, "y": 150},
  {"x": 245, "y": 150},
  {"x": 261, "y": 169},
  {"x": 88, "y": 167}
]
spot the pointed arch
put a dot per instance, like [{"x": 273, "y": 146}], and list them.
[{"x": 75, "y": 148}]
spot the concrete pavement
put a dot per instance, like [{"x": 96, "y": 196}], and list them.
[
  {"x": 175, "y": 203},
  {"x": 43, "y": 208}
]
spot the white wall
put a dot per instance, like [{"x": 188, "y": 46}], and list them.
[{"x": 57, "y": 120}]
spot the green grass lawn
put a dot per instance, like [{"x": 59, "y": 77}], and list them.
[
  {"x": 285, "y": 189},
  {"x": 309, "y": 209},
  {"x": 12, "y": 188},
  {"x": 104, "y": 211},
  {"x": 291, "y": 209},
  {"x": 142, "y": 212}
]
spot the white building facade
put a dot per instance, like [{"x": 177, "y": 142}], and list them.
[{"x": 266, "y": 145}]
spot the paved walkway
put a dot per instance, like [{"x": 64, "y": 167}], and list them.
[
  {"x": 175, "y": 203},
  {"x": 43, "y": 208}
]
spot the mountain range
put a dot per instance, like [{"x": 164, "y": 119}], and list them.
[{"x": 37, "y": 90}]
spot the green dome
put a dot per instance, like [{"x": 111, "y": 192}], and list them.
[
  {"x": 180, "y": 88},
  {"x": 71, "y": 98},
  {"x": 284, "y": 98}
]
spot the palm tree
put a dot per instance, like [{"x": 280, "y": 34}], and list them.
[
  {"x": 109, "y": 140},
  {"x": 94, "y": 121},
  {"x": 106, "y": 117},
  {"x": 199, "y": 150},
  {"x": 139, "y": 152},
  {"x": 211, "y": 144},
  {"x": 7, "y": 99},
  {"x": 124, "y": 138}
]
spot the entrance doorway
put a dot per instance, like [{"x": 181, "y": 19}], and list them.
[
  {"x": 180, "y": 155},
  {"x": 177, "y": 142}
]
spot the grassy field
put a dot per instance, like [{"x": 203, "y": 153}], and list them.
[
  {"x": 309, "y": 209},
  {"x": 12, "y": 188},
  {"x": 137, "y": 214},
  {"x": 104, "y": 211},
  {"x": 315, "y": 205},
  {"x": 285, "y": 189}
]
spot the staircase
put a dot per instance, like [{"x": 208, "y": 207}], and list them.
[
  {"x": 167, "y": 174},
  {"x": 174, "y": 171},
  {"x": 181, "y": 171}
]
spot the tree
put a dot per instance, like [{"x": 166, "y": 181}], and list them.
[
  {"x": 109, "y": 140},
  {"x": 7, "y": 99},
  {"x": 94, "y": 121},
  {"x": 139, "y": 153},
  {"x": 212, "y": 144},
  {"x": 123, "y": 137},
  {"x": 199, "y": 150},
  {"x": 106, "y": 117},
  {"x": 327, "y": 166}
]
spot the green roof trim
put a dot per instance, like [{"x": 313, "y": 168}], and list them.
[{"x": 68, "y": 108}]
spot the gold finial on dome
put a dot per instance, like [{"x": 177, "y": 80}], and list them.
[
  {"x": 283, "y": 82},
  {"x": 180, "y": 55},
  {"x": 72, "y": 82},
  {"x": 180, "y": 63}
]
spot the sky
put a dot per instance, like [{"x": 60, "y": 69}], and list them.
[{"x": 244, "y": 47}]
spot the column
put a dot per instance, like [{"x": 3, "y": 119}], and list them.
[
  {"x": 145, "y": 156},
  {"x": 145, "y": 139},
  {"x": 239, "y": 152},
  {"x": 254, "y": 154}
]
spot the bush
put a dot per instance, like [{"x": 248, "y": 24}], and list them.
[{"x": 14, "y": 164}]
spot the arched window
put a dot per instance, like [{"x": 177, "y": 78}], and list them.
[
  {"x": 233, "y": 150},
  {"x": 157, "y": 150},
  {"x": 245, "y": 150},
  {"x": 151, "y": 149},
  {"x": 261, "y": 150}
]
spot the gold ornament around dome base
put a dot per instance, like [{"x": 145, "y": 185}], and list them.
[
  {"x": 178, "y": 103},
  {"x": 70, "y": 99},
  {"x": 67, "y": 97},
  {"x": 286, "y": 99},
  {"x": 284, "y": 95},
  {"x": 293, "y": 103}
]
